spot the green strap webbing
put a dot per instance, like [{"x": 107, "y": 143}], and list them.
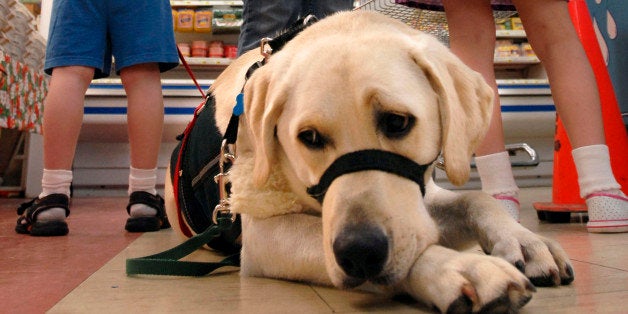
[{"x": 168, "y": 263}]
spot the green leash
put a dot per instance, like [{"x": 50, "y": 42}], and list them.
[{"x": 168, "y": 262}]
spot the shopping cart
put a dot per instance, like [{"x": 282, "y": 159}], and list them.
[{"x": 433, "y": 22}]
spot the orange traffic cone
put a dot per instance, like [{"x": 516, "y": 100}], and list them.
[{"x": 565, "y": 191}]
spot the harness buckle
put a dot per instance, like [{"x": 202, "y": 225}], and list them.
[
  {"x": 227, "y": 155},
  {"x": 265, "y": 48}
]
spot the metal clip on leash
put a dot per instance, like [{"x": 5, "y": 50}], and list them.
[
  {"x": 227, "y": 155},
  {"x": 265, "y": 49}
]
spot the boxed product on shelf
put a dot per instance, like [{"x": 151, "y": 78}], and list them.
[
  {"x": 216, "y": 49},
  {"x": 203, "y": 20},
  {"x": 206, "y": 19},
  {"x": 526, "y": 50},
  {"x": 507, "y": 49},
  {"x": 200, "y": 48},
  {"x": 204, "y": 49},
  {"x": 227, "y": 19},
  {"x": 503, "y": 24},
  {"x": 516, "y": 23},
  {"x": 185, "y": 20},
  {"x": 510, "y": 23},
  {"x": 184, "y": 48},
  {"x": 231, "y": 51},
  {"x": 205, "y": 31}
]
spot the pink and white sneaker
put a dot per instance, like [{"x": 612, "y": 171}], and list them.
[
  {"x": 608, "y": 212},
  {"x": 510, "y": 203}
]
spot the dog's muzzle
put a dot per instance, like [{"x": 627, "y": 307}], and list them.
[{"x": 370, "y": 159}]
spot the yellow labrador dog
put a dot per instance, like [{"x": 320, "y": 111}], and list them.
[{"x": 336, "y": 148}]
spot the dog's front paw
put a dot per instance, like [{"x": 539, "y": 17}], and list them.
[
  {"x": 457, "y": 282},
  {"x": 539, "y": 258}
]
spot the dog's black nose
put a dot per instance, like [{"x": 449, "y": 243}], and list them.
[{"x": 361, "y": 251}]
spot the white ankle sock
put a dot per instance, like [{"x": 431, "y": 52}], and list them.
[
  {"x": 593, "y": 165},
  {"x": 142, "y": 180},
  {"x": 54, "y": 182},
  {"x": 496, "y": 174}
]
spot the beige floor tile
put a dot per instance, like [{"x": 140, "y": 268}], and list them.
[{"x": 600, "y": 263}]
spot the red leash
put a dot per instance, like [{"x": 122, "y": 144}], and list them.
[
  {"x": 190, "y": 73},
  {"x": 175, "y": 182}
]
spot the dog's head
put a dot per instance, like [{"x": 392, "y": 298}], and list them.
[{"x": 360, "y": 81}]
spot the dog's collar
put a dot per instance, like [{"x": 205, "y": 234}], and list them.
[
  {"x": 269, "y": 45},
  {"x": 370, "y": 159}
]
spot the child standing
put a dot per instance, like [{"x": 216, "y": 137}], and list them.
[{"x": 83, "y": 37}]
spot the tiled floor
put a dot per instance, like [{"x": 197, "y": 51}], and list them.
[{"x": 85, "y": 272}]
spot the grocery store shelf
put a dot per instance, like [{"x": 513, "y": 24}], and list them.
[
  {"x": 522, "y": 87},
  {"x": 216, "y": 62},
  {"x": 177, "y": 3},
  {"x": 171, "y": 87},
  {"x": 509, "y": 33},
  {"x": 516, "y": 60}
]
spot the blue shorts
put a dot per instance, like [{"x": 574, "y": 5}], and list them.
[{"x": 89, "y": 32}]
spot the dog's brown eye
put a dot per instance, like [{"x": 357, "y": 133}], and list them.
[
  {"x": 395, "y": 125},
  {"x": 312, "y": 139}
]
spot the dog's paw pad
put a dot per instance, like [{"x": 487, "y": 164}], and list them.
[
  {"x": 499, "y": 305},
  {"x": 516, "y": 294},
  {"x": 568, "y": 277},
  {"x": 547, "y": 280},
  {"x": 520, "y": 295},
  {"x": 461, "y": 305}
]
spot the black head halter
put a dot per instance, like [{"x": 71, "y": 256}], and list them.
[{"x": 370, "y": 159}]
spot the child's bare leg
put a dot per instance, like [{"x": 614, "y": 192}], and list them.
[
  {"x": 574, "y": 89},
  {"x": 142, "y": 84},
  {"x": 553, "y": 37},
  {"x": 145, "y": 113},
  {"x": 63, "y": 116},
  {"x": 472, "y": 39}
]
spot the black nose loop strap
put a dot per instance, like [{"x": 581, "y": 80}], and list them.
[{"x": 370, "y": 159}]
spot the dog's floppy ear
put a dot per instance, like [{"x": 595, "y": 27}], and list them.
[
  {"x": 465, "y": 101},
  {"x": 262, "y": 109}
]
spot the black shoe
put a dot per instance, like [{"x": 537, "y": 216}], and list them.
[
  {"x": 27, "y": 221},
  {"x": 147, "y": 224}
]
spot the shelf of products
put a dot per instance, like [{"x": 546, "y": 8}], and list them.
[
  {"x": 206, "y": 31},
  {"x": 511, "y": 47},
  {"x": 510, "y": 33},
  {"x": 521, "y": 61},
  {"x": 176, "y": 3},
  {"x": 207, "y": 61}
]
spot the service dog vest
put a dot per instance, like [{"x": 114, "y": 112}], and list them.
[{"x": 196, "y": 190}]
